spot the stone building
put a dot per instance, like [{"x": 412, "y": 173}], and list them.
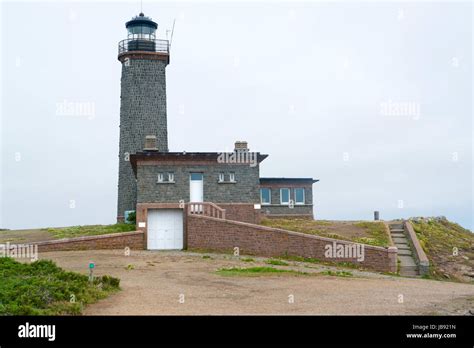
[{"x": 160, "y": 185}]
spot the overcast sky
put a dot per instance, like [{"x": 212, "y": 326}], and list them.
[{"x": 374, "y": 100}]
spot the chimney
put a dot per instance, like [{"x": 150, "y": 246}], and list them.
[
  {"x": 150, "y": 143},
  {"x": 241, "y": 146}
]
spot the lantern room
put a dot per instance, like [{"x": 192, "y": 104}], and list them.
[{"x": 141, "y": 27}]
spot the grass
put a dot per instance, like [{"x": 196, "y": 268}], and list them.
[
  {"x": 376, "y": 234},
  {"x": 318, "y": 261},
  {"x": 42, "y": 288},
  {"x": 256, "y": 271},
  {"x": 366, "y": 232},
  {"x": 276, "y": 262},
  {"x": 440, "y": 239},
  {"x": 247, "y": 259},
  {"x": 89, "y": 230},
  {"x": 337, "y": 273}
]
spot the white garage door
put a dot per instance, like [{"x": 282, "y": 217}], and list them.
[{"x": 165, "y": 229}]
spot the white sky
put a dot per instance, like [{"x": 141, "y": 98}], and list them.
[{"x": 302, "y": 82}]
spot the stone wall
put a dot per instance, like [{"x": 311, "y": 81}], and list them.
[
  {"x": 224, "y": 235},
  {"x": 142, "y": 112},
  {"x": 244, "y": 190},
  {"x": 275, "y": 208},
  {"x": 285, "y": 211}
]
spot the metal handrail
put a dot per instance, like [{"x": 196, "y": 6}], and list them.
[{"x": 137, "y": 44}]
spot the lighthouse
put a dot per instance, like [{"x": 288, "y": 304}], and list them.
[{"x": 142, "y": 101}]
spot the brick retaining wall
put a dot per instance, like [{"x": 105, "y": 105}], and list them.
[
  {"x": 133, "y": 240},
  {"x": 241, "y": 212},
  {"x": 223, "y": 235}
]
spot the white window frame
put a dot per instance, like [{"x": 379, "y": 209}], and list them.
[
  {"x": 221, "y": 177},
  {"x": 304, "y": 196},
  {"x": 281, "y": 196},
  {"x": 170, "y": 177},
  {"x": 160, "y": 177},
  {"x": 231, "y": 177},
  {"x": 270, "y": 196}
]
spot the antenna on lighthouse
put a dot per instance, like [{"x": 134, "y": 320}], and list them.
[{"x": 172, "y": 31}]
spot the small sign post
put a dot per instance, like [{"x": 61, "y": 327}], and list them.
[{"x": 91, "y": 271}]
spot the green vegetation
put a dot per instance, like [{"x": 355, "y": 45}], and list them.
[
  {"x": 376, "y": 233},
  {"x": 248, "y": 259},
  {"x": 337, "y": 273},
  {"x": 206, "y": 257},
  {"x": 318, "y": 261},
  {"x": 276, "y": 262},
  {"x": 449, "y": 248},
  {"x": 90, "y": 230},
  {"x": 366, "y": 232},
  {"x": 42, "y": 288},
  {"x": 256, "y": 271},
  {"x": 132, "y": 218},
  {"x": 130, "y": 267}
]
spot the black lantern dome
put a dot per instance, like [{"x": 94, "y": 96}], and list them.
[
  {"x": 141, "y": 33},
  {"x": 141, "y": 36},
  {"x": 141, "y": 27}
]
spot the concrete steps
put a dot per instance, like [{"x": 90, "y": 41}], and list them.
[{"x": 408, "y": 266}]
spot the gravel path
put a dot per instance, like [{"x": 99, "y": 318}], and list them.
[{"x": 155, "y": 283}]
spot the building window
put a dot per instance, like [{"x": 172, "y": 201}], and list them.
[
  {"x": 221, "y": 177},
  {"x": 284, "y": 196},
  {"x": 196, "y": 176},
  {"x": 299, "y": 195},
  {"x": 226, "y": 178},
  {"x": 265, "y": 196},
  {"x": 160, "y": 177},
  {"x": 171, "y": 177}
]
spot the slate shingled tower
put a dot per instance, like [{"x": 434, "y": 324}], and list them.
[{"x": 142, "y": 101}]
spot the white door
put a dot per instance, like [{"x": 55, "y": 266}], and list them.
[
  {"x": 196, "y": 187},
  {"x": 165, "y": 229}
]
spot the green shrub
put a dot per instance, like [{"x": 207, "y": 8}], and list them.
[
  {"x": 132, "y": 217},
  {"x": 42, "y": 288}
]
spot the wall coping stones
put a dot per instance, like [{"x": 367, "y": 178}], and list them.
[
  {"x": 420, "y": 256},
  {"x": 86, "y": 238}
]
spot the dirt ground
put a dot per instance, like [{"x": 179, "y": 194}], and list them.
[{"x": 157, "y": 282}]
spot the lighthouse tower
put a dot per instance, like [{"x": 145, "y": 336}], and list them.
[{"x": 142, "y": 101}]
